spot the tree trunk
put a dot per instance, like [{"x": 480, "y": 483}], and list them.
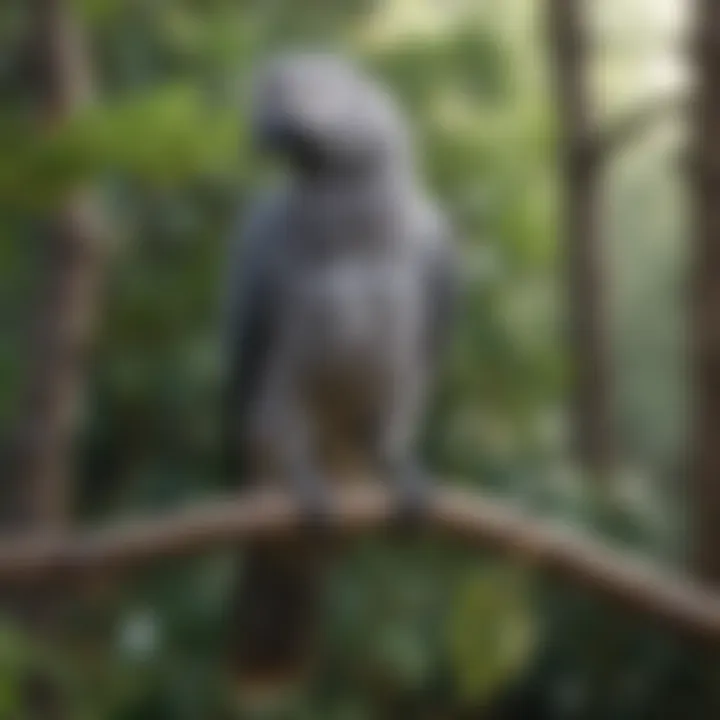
[
  {"x": 580, "y": 160},
  {"x": 62, "y": 327},
  {"x": 704, "y": 488},
  {"x": 39, "y": 491}
]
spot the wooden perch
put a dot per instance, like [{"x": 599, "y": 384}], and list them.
[{"x": 676, "y": 602}]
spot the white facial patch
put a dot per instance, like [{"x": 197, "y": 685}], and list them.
[{"x": 318, "y": 93}]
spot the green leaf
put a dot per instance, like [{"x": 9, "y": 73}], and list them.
[{"x": 491, "y": 631}]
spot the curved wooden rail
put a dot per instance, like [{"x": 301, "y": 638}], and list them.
[{"x": 677, "y": 602}]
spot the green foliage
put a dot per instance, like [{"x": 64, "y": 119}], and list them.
[
  {"x": 166, "y": 136},
  {"x": 28, "y": 668},
  {"x": 12, "y": 661}
]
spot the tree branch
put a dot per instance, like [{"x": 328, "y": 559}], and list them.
[
  {"x": 675, "y": 602},
  {"x": 627, "y": 127}
]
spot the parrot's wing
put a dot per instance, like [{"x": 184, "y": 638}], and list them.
[
  {"x": 249, "y": 321},
  {"x": 442, "y": 287}
]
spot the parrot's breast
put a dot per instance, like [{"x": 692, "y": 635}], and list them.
[{"x": 362, "y": 319}]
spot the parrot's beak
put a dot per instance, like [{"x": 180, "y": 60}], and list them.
[
  {"x": 284, "y": 136},
  {"x": 280, "y": 134}
]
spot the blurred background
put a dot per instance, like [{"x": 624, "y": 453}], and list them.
[{"x": 555, "y": 133}]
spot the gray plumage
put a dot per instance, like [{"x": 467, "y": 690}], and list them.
[{"x": 339, "y": 302}]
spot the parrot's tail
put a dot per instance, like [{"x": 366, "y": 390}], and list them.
[{"x": 274, "y": 617}]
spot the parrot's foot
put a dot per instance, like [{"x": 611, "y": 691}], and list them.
[
  {"x": 414, "y": 495},
  {"x": 314, "y": 502}
]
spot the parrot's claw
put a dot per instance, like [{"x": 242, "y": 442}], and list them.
[
  {"x": 315, "y": 507},
  {"x": 414, "y": 498}
]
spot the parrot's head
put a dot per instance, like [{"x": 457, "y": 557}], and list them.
[{"x": 320, "y": 112}]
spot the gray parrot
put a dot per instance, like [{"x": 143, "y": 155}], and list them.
[{"x": 339, "y": 304}]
